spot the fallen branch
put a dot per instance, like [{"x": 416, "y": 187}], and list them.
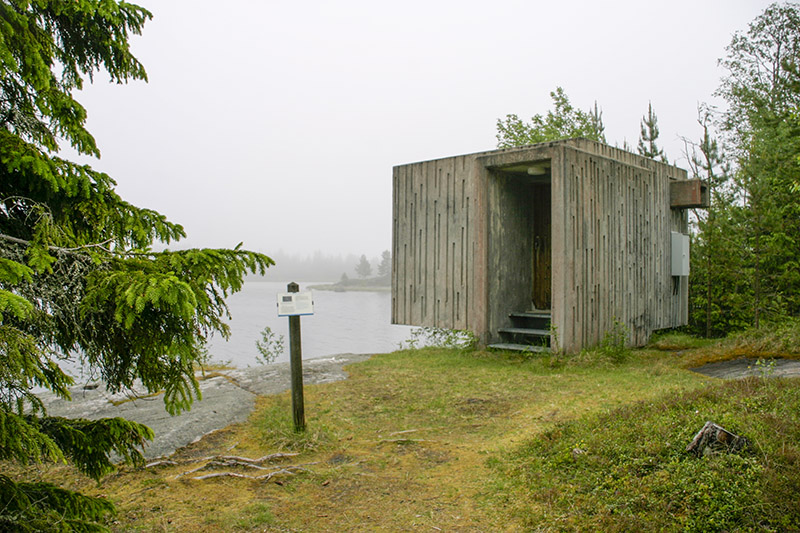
[
  {"x": 236, "y": 458},
  {"x": 402, "y": 441},
  {"x": 260, "y": 460},
  {"x": 165, "y": 462},
  {"x": 288, "y": 470},
  {"x": 265, "y": 477},
  {"x": 223, "y": 464}
]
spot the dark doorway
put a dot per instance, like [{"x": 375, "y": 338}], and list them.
[
  {"x": 520, "y": 251},
  {"x": 541, "y": 262}
]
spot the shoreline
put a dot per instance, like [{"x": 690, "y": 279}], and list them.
[
  {"x": 335, "y": 287},
  {"x": 228, "y": 397}
]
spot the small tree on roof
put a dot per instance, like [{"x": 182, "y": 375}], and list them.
[{"x": 648, "y": 136}]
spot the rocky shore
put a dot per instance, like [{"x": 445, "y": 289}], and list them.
[{"x": 228, "y": 398}]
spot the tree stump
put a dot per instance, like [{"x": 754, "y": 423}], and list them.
[{"x": 715, "y": 438}]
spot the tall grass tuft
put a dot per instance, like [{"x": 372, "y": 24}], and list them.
[{"x": 274, "y": 427}]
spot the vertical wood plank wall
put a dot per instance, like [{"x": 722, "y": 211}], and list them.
[
  {"x": 614, "y": 248},
  {"x": 434, "y": 244},
  {"x": 611, "y": 228}
]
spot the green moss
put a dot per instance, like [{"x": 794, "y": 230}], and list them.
[{"x": 628, "y": 469}]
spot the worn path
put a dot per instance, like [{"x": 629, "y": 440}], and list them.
[{"x": 228, "y": 398}]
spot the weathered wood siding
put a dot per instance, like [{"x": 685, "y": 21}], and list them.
[
  {"x": 434, "y": 244},
  {"x": 461, "y": 242},
  {"x": 612, "y": 247}
]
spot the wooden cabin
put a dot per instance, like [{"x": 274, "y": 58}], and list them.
[{"x": 545, "y": 245}]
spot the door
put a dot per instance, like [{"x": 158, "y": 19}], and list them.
[{"x": 541, "y": 262}]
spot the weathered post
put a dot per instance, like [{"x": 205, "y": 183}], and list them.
[{"x": 296, "y": 358}]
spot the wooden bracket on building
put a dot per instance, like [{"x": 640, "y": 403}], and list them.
[{"x": 688, "y": 193}]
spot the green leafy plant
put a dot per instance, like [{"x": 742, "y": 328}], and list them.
[
  {"x": 765, "y": 367},
  {"x": 440, "y": 338},
  {"x": 614, "y": 344},
  {"x": 270, "y": 347}
]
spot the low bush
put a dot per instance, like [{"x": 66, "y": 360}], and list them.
[
  {"x": 429, "y": 337},
  {"x": 628, "y": 469}
]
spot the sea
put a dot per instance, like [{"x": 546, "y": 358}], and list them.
[{"x": 343, "y": 322}]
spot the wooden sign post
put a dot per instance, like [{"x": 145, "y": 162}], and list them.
[
  {"x": 295, "y": 304},
  {"x": 296, "y": 355}
]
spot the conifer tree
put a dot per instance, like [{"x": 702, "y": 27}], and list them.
[
  {"x": 718, "y": 286},
  {"x": 648, "y": 136},
  {"x": 78, "y": 277},
  {"x": 598, "y": 129},
  {"x": 762, "y": 89},
  {"x": 363, "y": 268},
  {"x": 385, "y": 266}
]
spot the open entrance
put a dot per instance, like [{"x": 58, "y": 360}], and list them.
[{"x": 520, "y": 253}]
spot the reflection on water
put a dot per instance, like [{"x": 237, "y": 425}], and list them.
[{"x": 343, "y": 322}]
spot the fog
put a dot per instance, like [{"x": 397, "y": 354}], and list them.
[
  {"x": 278, "y": 124},
  {"x": 315, "y": 267}
]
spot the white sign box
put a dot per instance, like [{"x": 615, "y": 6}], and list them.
[{"x": 295, "y": 304}]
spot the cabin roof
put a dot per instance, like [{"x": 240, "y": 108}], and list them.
[{"x": 578, "y": 143}]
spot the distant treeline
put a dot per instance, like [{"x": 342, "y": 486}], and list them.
[{"x": 314, "y": 267}]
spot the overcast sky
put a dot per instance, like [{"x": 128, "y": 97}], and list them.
[{"x": 278, "y": 123}]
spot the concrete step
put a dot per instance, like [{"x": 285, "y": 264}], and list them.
[
  {"x": 530, "y": 319},
  {"x": 510, "y": 347},
  {"x": 531, "y": 314},
  {"x": 529, "y": 332}
]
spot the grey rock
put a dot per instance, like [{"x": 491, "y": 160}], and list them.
[
  {"x": 228, "y": 398},
  {"x": 746, "y": 366}
]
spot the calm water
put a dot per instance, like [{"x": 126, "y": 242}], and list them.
[{"x": 343, "y": 322}]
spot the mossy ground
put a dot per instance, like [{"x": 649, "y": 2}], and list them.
[{"x": 424, "y": 440}]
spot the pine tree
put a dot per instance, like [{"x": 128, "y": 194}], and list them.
[
  {"x": 762, "y": 89},
  {"x": 598, "y": 129},
  {"x": 385, "y": 266},
  {"x": 718, "y": 288},
  {"x": 648, "y": 136},
  {"x": 363, "y": 268},
  {"x": 563, "y": 122},
  {"x": 78, "y": 277}
]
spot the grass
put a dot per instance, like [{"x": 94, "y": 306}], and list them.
[
  {"x": 678, "y": 341},
  {"x": 772, "y": 340},
  {"x": 628, "y": 469},
  {"x": 437, "y": 439}
]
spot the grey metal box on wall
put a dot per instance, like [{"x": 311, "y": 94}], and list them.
[{"x": 680, "y": 254}]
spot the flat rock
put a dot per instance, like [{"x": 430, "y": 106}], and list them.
[
  {"x": 746, "y": 366},
  {"x": 228, "y": 398}
]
